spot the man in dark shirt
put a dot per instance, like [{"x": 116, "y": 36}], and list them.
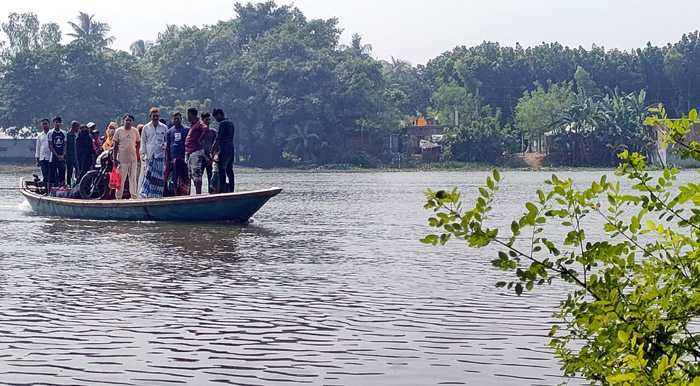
[
  {"x": 224, "y": 145},
  {"x": 57, "y": 145},
  {"x": 175, "y": 157},
  {"x": 71, "y": 156}
]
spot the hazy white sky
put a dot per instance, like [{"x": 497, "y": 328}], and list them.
[{"x": 413, "y": 30}]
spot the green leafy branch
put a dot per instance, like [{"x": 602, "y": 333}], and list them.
[{"x": 629, "y": 317}]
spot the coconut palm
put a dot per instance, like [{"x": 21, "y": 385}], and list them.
[
  {"x": 90, "y": 30},
  {"x": 301, "y": 140},
  {"x": 575, "y": 125},
  {"x": 140, "y": 47},
  {"x": 356, "y": 45}
]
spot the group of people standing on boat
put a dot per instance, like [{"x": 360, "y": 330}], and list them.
[{"x": 155, "y": 160}]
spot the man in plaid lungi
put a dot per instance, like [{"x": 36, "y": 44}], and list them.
[{"x": 153, "y": 154}]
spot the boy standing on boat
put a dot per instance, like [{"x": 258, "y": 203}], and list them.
[
  {"x": 57, "y": 145},
  {"x": 126, "y": 139},
  {"x": 194, "y": 148},
  {"x": 153, "y": 155},
  {"x": 175, "y": 156},
  {"x": 43, "y": 153}
]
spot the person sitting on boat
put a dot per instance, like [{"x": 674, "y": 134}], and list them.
[
  {"x": 175, "y": 157},
  {"x": 126, "y": 139},
  {"x": 194, "y": 148},
  {"x": 43, "y": 153},
  {"x": 153, "y": 156}
]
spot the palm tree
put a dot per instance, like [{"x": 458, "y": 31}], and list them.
[
  {"x": 140, "y": 47},
  {"x": 301, "y": 140},
  {"x": 91, "y": 30},
  {"x": 170, "y": 30},
  {"x": 576, "y": 123},
  {"x": 356, "y": 45}
]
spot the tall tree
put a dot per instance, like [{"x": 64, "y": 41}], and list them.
[
  {"x": 50, "y": 35},
  {"x": 537, "y": 110},
  {"x": 90, "y": 30},
  {"x": 22, "y": 31},
  {"x": 140, "y": 47}
]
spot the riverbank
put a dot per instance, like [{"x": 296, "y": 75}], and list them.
[{"x": 522, "y": 162}]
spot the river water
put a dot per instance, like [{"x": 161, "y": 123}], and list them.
[{"x": 327, "y": 286}]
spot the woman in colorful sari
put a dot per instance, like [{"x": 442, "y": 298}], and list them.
[{"x": 109, "y": 133}]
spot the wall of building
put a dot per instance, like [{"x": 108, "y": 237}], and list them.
[{"x": 17, "y": 150}]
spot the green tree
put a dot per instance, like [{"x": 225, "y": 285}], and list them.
[
  {"x": 481, "y": 140},
  {"x": 50, "y": 35},
  {"x": 22, "y": 31},
  {"x": 628, "y": 314},
  {"x": 450, "y": 98},
  {"x": 573, "y": 128},
  {"x": 90, "y": 30},
  {"x": 536, "y": 111},
  {"x": 406, "y": 87},
  {"x": 140, "y": 48},
  {"x": 301, "y": 141},
  {"x": 584, "y": 84}
]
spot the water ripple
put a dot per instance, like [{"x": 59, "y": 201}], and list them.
[{"x": 329, "y": 286}]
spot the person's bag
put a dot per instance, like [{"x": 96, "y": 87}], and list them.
[{"x": 115, "y": 178}]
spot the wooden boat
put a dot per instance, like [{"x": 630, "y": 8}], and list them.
[{"x": 238, "y": 207}]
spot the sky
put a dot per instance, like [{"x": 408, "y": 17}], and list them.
[{"x": 411, "y": 30}]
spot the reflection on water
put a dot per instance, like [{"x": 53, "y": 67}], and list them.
[{"x": 328, "y": 286}]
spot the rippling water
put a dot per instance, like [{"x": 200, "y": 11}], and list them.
[{"x": 328, "y": 286}]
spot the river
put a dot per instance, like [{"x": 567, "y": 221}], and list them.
[{"x": 328, "y": 285}]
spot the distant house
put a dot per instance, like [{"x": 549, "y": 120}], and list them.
[
  {"x": 17, "y": 150},
  {"x": 423, "y": 136},
  {"x": 661, "y": 153}
]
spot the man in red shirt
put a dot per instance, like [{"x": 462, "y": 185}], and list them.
[{"x": 194, "y": 148}]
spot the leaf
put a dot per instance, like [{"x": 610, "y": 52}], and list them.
[
  {"x": 531, "y": 208},
  {"x": 429, "y": 239},
  {"x": 514, "y": 227},
  {"x": 553, "y": 331},
  {"x": 621, "y": 378},
  {"x": 623, "y": 336},
  {"x": 497, "y": 175},
  {"x": 519, "y": 289}
]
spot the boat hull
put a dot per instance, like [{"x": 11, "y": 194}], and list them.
[{"x": 238, "y": 207}]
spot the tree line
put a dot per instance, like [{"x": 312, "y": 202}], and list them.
[{"x": 298, "y": 96}]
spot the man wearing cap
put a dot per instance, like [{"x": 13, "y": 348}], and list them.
[
  {"x": 84, "y": 151},
  {"x": 153, "y": 155}
]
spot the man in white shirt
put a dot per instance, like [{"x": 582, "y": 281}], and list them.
[
  {"x": 43, "y": 153},
  {"x": 153, "y": 155}
]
